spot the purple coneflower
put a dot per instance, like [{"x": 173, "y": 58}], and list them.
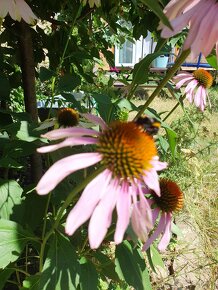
[
  {"x": 202, "y": 18},
  {"x": 130, "y": 159},
  {"x": 198, "y": 83},
  {"x": 17, "y": 9},
  {"x": 170, "y": 200}
]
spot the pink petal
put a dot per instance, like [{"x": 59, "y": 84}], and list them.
[
  {"x": 191, "y": 86},
  {"x": 156, "y": 233},
  {"x": 151, "y": 180},
  {"x": 68, "y": 142},
  {"x": 87, "y": 202},
  {"x": 62, "y": 168},
  {"x": 197, "y": 98},
  {"x": 164, "y": 242},
  {"x": 25, "y": 12},
  {"x": 183, "y": 81},
  {"x": 101, "y": 217},
  {"x": 123, "y": 212},
  {"x": 69, "y": 132},
  {"x": 96, "y": 120},
  {"x": 158, "y": 165}
]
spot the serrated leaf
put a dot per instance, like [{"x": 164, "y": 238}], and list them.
[
  {"x": 10, "y": 200},
  {"x": 13, "y": 240},
  {"x": 45, "y": 74},
  {"x": 69, "y": 82},
  {"x": 61, "y": 268},
  {"x": 89, "y": 276}
]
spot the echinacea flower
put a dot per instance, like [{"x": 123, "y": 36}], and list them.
[
  {"x": 198, "y": 83},
  {"x": 170, "y": 200},
  {"x": 202, "y": 18},
  {"x": 130, "y": 159},
  {"x": 17, "y": 9}
]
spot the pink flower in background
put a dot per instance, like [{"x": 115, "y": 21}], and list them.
[
  {"x": 130, "y": 159},
  {"x": 171, "y": 200},
  {"x": 197, "y": 84},
  {"x": 17, "y": 9},
  {"x": 202, "y": 18}
]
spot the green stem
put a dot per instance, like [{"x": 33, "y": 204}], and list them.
[
  {"x": 174, "y": 108},
  {"x": 67, "y": 202},
  {"x": 164, "y": 81},
  {"x": 45, "y": 219}
]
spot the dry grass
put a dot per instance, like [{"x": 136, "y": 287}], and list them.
[{"x": 195, "y": 256}]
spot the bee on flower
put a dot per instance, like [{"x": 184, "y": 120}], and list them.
[{"x": 130, "y": 162}]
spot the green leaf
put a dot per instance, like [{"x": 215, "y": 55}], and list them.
[
  {"x": 163, "y": 143},
  {"x": 13, "y": 240},
  {"x": 141, "y": 69},
  {"x": 154, "y": 258},
  {"x": 4, "y": 88},
  {"x": 69, "y": 82},
  {"x": 176, "y": 230},
  {"x": 61, "y": 268},
  {"x": 89, "y": 276},
  {"x": 212, "y": 60},
  {"x": 45, "y": 74},
  {"x": 10, "y": 200},
  {"x": 4, "y": 275},
  {"x": 155, "y": 7},
  {"x": 7, "y": 162},
  {"x": 171, "y": 136},
  {"x": 31, "y": 283},
  {"x": 131, "y": 267},
  {"x": 25, "y": 132},
  {"x": 107, "y": 266}
]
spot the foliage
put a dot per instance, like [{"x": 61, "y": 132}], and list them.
[{"x": 63, "y": 55}]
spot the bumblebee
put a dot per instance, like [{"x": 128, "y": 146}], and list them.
[{"x": 148, "y": 124}]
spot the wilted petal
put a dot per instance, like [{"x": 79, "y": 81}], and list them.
[
  {"x": 62, "y": 168},
  {"x": 87, "y": 202},
  {"x": 68, "y": 142},
  {"x": 101, "y": 217}
]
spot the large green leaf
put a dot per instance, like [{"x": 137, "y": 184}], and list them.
[
  {"x": 61, "y": 268},
  {"x": 45, "y": 74},
  {"x": 154, "y": 258},
  {"x": 158, "y": 10},
  {"x": 10, "y": 200},
  {"x": 13, "y": 240},
  {"x": 171, "y": 136},
  {"x": 141, "y": 69},
  {"x": 89, "y": 276},
  {"x": 130, "y": 267}
]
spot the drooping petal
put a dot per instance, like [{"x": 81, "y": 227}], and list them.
[
  {"x": 123, "y": 212},
  {"x": 96, "y": 120},
  {"x": 62, "y": 168},
  {"x": 85, "y": 206},
  {"x": 101, "y": 217},
  {"x": 26, "y": 12},
  {"x": 183, "y": 81},
  {"x": 151, "y": 180},
  {"x": 69, "y": 132},
  {"x": 197, "y": 98},
  {"x": 156, "y": 233},
  {"x": 73, "y": 141},
  {"x": 167, "y": 233}
]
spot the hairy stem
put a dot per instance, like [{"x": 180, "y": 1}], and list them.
[{"x": 164, "y": 81}]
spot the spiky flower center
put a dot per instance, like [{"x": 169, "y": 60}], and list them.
[
  {"x": 127, "y": 150},
  {"x": 67, "y": 117},
  {"x": 203, "y": 77},
  {"x": 171, "y": 198}
]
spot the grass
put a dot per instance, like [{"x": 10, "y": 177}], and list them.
[{"x": 194, "y": 257}]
